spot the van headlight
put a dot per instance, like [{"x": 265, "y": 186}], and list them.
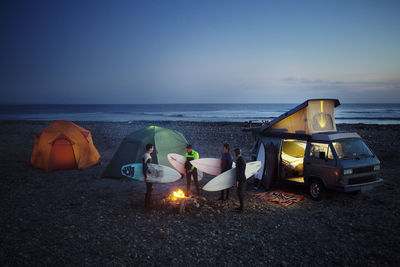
[
  {"x": 347, "y": 171},
  {"x": 377, "y": 167}
]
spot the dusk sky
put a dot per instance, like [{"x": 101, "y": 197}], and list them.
[{"x": 128, "y": 52}]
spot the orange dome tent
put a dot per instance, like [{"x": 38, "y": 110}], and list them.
[{"x": 63, "y": 146}]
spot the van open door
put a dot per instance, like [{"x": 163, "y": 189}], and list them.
[{"x": 292, "y": 160}]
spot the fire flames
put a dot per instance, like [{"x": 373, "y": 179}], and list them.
[{"x": 176, "y": 195}]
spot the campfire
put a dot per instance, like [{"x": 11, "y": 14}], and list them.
[
  {"x": 179, "y": 200},
  {"x": 177, "y": 195}
]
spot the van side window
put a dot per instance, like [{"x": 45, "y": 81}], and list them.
[{"x": 319, "y": 151}]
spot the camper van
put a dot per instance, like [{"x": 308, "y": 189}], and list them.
[{"x": 303, "y": 146}]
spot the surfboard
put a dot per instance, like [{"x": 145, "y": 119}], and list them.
[
  {"x": 156, "y": 173},
  {"x": 210, "y": 166},
  {"x": 261, "y": 158},
  {"x": 179, "y": 161},
  {"x": 227, "y": 179}
]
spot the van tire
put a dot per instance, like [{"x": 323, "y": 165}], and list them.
[{"x": 316, "y": 189}]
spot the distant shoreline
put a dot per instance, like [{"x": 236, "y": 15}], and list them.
[
  {"x": 345, "y": 113},
  {"x": 44, "y": 122}
]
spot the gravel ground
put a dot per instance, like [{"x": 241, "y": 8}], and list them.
[{"x": 78, "y": 218}]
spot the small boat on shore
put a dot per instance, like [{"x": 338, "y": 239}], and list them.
[{"x": 252, "y": 125}]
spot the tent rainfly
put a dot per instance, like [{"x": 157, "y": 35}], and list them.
[
  {"x": 312, "y": 116},
  {"x": 133, "y": 146},
  {"x": 64, "y": 146}
]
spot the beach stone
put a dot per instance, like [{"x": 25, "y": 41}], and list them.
[{"x": 348, "y": 230}]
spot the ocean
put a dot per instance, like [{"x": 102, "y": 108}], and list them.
[{"x": 345, "y": 113}]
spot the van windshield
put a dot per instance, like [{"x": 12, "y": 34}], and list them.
[{"x": 352, "y": 149}]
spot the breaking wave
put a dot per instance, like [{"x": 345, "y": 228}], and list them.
[{"x": 346, "y": 113}]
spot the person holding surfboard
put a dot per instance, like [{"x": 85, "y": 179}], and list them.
[
  {"x": 226, "y": 164},
  {"x": 191, "y": 171},
  {"x": 146, "y": 159},
  {"x": 240, "y": 177}
]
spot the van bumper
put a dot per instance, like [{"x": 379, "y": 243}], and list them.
[{"x": 360, "y": 187}]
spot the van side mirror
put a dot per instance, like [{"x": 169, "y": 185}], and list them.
[{"x": 321, "y": 155}]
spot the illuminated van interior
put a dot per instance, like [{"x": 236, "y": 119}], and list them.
[{"x": 292, "y": 158}]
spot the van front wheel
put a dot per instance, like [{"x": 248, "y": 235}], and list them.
[{"x": 316, "y": 189}]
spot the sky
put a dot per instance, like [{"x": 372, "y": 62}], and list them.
[{"x": 139, "y": 52}]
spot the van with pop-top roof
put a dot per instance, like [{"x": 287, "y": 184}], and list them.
[{"x": 303, "y": 146}]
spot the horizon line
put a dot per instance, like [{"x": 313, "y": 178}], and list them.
[{"x": 189, "y": 103}]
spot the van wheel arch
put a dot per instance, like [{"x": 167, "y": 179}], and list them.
[{"x": 315, "y": 188}]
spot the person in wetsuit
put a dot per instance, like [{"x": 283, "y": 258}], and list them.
[
  {"x": 146, "y": 159},
  {"x": 226, "y": 164},
  {"x": 191, "y": 171},
  {"x": 240, "y": 177}
]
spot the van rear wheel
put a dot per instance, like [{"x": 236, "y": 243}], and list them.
[{"x": 316, "y": 189}]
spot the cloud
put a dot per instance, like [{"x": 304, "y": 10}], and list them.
[
  {"x": 349, "y": 86},
  {"x": 302, "y": 80}
]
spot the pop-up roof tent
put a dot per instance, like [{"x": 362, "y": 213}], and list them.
[{"x": 312, "y": 116}]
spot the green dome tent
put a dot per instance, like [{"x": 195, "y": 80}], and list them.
[{"x": 133, "y": 147}]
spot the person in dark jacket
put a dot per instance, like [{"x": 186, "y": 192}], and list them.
[
  {"x": 226, "y": 164},
  {"x": 240, "y": 177},
  {"x": 146, "y": 159},
  {"x": 191, "y": 171}
]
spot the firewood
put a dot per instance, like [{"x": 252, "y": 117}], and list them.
[{"x": 182, "y": 206}]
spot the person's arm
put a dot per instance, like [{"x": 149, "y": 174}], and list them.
[
  {"x": 145, "y": 168},
  {"x": 188, "y": 166},
  {"x": 240, "y": 169},
  {"x": 237, "y": 169},
  {"x": 238, "y": 163},
  {"x": 195, "y": 156},
  {"x": 224, "y": 164}
]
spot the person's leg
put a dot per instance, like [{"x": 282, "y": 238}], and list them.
[
  {"x": 240, "y": 192},
  {"x": 188, "y": 180},
  {"x": 240, "y": 196},
  {"x": 257, "y": 183},
  {"x": 146, "y": 196},
  {"x": 196, "y": 182},
  {"x": 149, "y": 190},
  {"x": 243, "y": 193},
  {"x": 227, "y": 194},
  {"x": 222, "y": 195}
]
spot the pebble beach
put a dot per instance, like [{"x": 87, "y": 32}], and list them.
[{"x": 75, "y": 218}]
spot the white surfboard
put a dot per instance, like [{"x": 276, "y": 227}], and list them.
[
  {"x": 261, "y": 158},
  {"x": 179, "y": 161},
  {"x": 210, "y": 166},
  {"x": 227, "y": 179},
  {"x": 156, "y": 173}
]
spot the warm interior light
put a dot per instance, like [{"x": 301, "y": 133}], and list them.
[
  {"x": 292, "y": 156},
  {"x": 322, "y": 121}
]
